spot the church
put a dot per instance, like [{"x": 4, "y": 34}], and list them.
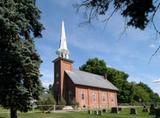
[{"x": 87, "y": 89}]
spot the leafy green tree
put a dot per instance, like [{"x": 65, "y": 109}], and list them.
[
  {"x": 129, "y": 92},
  {"x": 51, "y": 89},
  {"x": 141, "y": 95},
  {"x": 126, "y": 92},
  {"x": 19, "y": 61},
  {"x": 118, "y": 78},
  {"x": 94, "y": 65},
  {"x": 147, "y": 88},
  {"x": 115, "y": 76},
  {"x": 150, "y": 96}
]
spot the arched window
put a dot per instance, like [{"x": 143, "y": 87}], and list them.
[
  {"x": 94, "y": 96},
  {"x": 104, "y": 98},
  {"x": 82, "y": 96},
  {"x": 70, "y": 94}
]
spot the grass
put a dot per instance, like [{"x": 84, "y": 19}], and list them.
[{"x": 123, "y": 114}]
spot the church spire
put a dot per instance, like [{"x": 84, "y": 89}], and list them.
[{"x": 63, "y": 50}]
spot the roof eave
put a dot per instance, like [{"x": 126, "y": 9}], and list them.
[{"x": 97, "y": 87}]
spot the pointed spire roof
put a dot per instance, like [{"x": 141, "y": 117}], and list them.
[
  {"x": 63, "y": 50},
  {"x": 63, "y": 43}
]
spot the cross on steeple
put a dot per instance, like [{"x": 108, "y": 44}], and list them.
[{"x": 63, "y": 50}]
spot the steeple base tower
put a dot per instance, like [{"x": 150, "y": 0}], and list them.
[{"x": 60, "y": 65}]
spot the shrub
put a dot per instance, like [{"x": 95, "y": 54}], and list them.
[
  {"x": 74, "y": 103},
  {"x": 62, "y": 101},
  {"x": 133, "y": 111},
  {"x": 157, "y": 113},
  {"x": 114, "y": 110},
  {"x": 46, "y": 101}
]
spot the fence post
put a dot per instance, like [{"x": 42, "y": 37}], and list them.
[{"x": 54, "y": 107}]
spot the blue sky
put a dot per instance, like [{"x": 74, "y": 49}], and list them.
[{"x": 130, "y": 53}]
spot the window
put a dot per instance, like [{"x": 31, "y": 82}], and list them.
[
  {"x": 82, "y": 96},
  {"x": 103, "y": 98},
  {"x": 70, "y": 95},
  {"x": 94, "y": 97},
  {"x": 112, "y": 97}
]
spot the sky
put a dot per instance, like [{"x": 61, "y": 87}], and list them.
[{"x": 129, "y": 52}]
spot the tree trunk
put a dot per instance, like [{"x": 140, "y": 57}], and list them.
[{"x": 13, "y": 112}]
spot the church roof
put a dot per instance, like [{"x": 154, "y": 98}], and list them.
[{"x": 89, "y": 79}]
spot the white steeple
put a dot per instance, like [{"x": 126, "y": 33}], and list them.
[{"x": 63, "y": 50}]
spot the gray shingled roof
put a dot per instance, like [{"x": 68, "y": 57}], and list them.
[{"x": 89, "y": 79}]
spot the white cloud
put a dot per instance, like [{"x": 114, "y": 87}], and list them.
[
  {"x": 46, "y": 83},
  {"x": 157, "y": 81}
]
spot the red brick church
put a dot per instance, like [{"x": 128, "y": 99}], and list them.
[{"x": 89, "y": 90}]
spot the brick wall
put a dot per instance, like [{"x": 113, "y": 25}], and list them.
[
  {"x": 69, "y": 90},
  {"x": 88, "y": 97},
  {"x": 60, "y": 65},
  {"x": 95, "y": 97}
]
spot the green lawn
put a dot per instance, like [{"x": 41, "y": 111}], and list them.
[{"x": 123, "y": 114}]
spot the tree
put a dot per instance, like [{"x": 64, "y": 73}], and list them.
[
  {"x": 51, "y": 89},
  {"x": 141, "y": 95},
  {"x": 46, "y": 101},
  {"x": 94, "y": 65},
  {"x": 19, "y": 61},
  {"x": 153, "y": 97},
  {"x": 129, "y": 92},
  {"x": 138, "y": 13},
  {"x": 125, "y": 93},
  {"x": 147, "y": 88},
  {"x": 118, "y": 78}
]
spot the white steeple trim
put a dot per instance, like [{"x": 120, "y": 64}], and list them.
[
  {"x": 63, "y": 43},
  {"x": 63, "y": 50}
]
